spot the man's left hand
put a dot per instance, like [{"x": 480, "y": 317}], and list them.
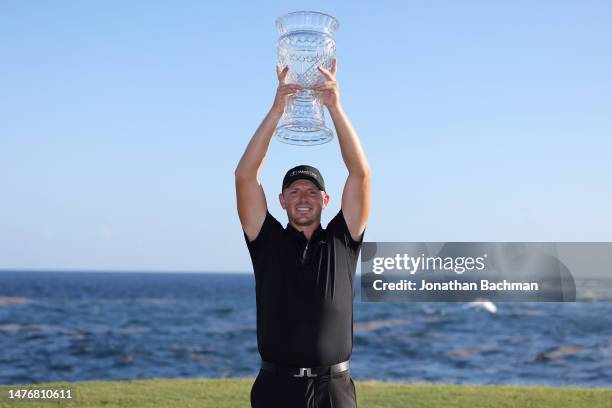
[{"x": 329, "y": 90}]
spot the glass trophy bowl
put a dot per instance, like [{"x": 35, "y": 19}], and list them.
[{"x": 305, "y": 43}]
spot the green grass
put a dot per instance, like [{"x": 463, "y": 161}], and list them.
[{"x": 230, "y": 393}]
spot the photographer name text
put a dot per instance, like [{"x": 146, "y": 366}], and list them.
[{"x": 454, "y": 285}]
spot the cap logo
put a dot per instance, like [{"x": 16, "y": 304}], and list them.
[{"x": 306, "y": 172}]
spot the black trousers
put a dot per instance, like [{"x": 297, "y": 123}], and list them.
[{"x": 283, "y": 391}]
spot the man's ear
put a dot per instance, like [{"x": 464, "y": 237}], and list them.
[
  {"x": 281, "y": 198},
  {"x": 326, "y": 199}
]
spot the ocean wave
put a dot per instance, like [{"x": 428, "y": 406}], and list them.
[
  {"x": 54, "y": 329},
  {"x": 142, "y": 301},
  {"x": 132, "y": 330},
  {"x": 378, "y": 324},
  {"x": 556, "y": 354},
  {"x": 7, "y": 300},
  {"x": 462, "y": 353},
  {"x": 41, "y": 328},
  {"x": 201, "y": 357}
]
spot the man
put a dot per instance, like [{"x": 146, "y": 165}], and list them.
[{"x": 304, "y": 274}]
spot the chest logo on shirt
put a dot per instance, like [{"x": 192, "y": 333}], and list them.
[{"x": 322, "y": 242}]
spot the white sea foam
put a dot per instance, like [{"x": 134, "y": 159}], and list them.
[{"x": 486, "y": 305}]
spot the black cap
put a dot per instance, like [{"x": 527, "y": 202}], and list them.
[{"x": 304, "y": 172}]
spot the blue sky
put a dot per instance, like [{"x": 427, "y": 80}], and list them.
[{"x": 121, "y": 124}]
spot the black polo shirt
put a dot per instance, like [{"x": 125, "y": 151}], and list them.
[{"x": 304, "y": 292}]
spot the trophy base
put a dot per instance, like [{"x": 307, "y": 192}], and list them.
[{"x": 303, "y": 135}]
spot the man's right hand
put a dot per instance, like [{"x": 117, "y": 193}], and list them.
[{"x": 284, "y": 90}]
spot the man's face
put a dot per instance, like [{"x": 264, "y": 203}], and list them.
[{"x": 303, "y": 202}]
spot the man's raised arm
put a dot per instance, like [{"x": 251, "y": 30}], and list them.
[
  {"x": 356, "y": 194},
  {"x": 250, "y": 197}
]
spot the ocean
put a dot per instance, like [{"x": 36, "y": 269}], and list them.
[{"x": 81, "y": 326}]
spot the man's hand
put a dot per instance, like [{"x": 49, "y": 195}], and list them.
[
  {"x": 329, "y": 90},
  {"x": 283, "y": 90}
]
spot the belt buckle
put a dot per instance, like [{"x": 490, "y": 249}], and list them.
[{"x": 306, "y": 370}]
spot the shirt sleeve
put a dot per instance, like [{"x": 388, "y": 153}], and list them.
[
  {"x": 258, "y": 246},
  {"x": 337, "y": 226}
]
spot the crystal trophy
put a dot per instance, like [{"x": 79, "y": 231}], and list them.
[{"x": 305, "y": 43}]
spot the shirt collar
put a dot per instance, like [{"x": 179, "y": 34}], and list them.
[{"x": 299, "y": 234}]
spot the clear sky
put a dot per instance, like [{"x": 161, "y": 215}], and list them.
[{"x": 121, "y": 124}]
